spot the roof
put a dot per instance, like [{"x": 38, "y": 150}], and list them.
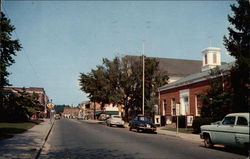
[
  {"x": 175, "y": 67},
  {"x": 32, "y": 89},
  {"x": 240, "y": 114},
  {"x": 194, "y": 78}
]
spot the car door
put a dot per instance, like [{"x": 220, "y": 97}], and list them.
[
  {"x": 225, "y": 133},
  {"x": 134, "y": 122},
  {"x": 242, "y": 131}
]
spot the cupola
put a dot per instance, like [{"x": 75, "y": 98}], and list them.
[{"x": 211, "y": 58}]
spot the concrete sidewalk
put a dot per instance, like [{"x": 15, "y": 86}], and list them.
[
  {"x": 185, "y": 136},
  {"x": 28, "y": 144}
]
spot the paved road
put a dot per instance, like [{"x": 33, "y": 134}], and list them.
[{"x": 77, "y": 139}]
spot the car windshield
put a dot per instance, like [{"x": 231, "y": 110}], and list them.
[{"x": 144, "y": 118}]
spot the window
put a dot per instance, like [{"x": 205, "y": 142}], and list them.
[
  {"x": 186, "y": 103},
  {"x": 205, "y": 59},
  {"x": 215, "y": 58},
  {"x": 164, "y": 106},
  {"x": 198, "y": 104},
  {"x": 242, "y": 121},
  {"x": 229, "y": 120},
  {"x": 144, "y": 118},
  {"x": 173, "y": 105}
]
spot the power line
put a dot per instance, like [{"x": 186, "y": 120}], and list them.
[{"x": 26, "y": 55}]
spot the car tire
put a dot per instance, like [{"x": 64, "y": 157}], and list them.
[
  {"x": 130, "y": 128},
  {"x": 137, "y": 130},
  {"x": 207, "y": 142}
]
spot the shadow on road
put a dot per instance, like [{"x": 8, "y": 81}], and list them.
[
  {"x": 234, "y": 150},
  {"x": 79, "y": 152}
]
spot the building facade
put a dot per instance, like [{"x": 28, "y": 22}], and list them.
[{"x": 183, "y": 97}]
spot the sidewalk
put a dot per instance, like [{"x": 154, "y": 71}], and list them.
[
  {"x": 185, "y": 136},
  {"x": 26, "y": 145}
]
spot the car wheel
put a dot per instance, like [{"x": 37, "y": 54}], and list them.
[
  {"x": 137, "y": 130},
  {"x": 207, "y": 142},
  {"x": 130, "y": 128},
  {"x": 110, "y": 125}
]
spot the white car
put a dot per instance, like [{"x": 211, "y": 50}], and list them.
[
  {"x": 233, "y": 130},
  {"x": 115, "y": 120}
]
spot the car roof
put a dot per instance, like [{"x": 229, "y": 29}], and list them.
[{"x": 240, "y": 114}]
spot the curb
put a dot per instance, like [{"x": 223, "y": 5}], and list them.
[
  {"x": 179, "y": 136},
  {"x": 44, "y": 141}
]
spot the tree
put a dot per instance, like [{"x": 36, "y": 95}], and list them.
[
  {"x": 20, "y": 107},
  {"x": 8, "y": 48},
  {"x": 238, "y": 46},
  {"x": 119, "y": 81},
  {"x": 217, "y": 99}
]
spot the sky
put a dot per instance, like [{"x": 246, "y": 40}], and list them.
[{"x": 62, "y": 39}]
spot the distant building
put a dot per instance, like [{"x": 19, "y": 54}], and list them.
[
  {"x": 184, "y": 95},
  {"x": 71, "y": 112}
]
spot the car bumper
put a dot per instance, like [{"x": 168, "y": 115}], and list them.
[
  {"x": 147, "y": 128},
  {"x": 118, "y": 124}
]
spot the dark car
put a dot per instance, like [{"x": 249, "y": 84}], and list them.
[{"x": 142, "y": 123}]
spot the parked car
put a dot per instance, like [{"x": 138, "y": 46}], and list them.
[
  {"x": 103, "y": 117},
  {"x": 142, "y": 123},
  {"x": 115, "y": 120},
  {"x": 233, "y": 130},
  {"x": 80, "y": 118},
  {"x": 57, "y": 116}
]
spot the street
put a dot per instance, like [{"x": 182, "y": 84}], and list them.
[{"x": 72, "y": 138}]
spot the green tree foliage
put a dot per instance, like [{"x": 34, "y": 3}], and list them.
[
  {"x": 238, "y": 45},
  {"x": 217, "y": 99},
  {"x": 20, "y": 107},
  {"x": 29, "y": 102},
  {"x": 60, "y": 108},
  {"x": 119, "y": 81},
  {"x": 8, "y": 49}
]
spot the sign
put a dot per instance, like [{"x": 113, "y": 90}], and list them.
[
  {"x": 190, "y": 120},
  {"x": 50, "y": 105},
  {"x": 177, "y": 108},
  {"x": 157, "y": 119}
]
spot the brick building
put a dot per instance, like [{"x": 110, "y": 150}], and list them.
[
  {"x": 184, "y": 95},
  {"x": 42, "y": 97},
  {"x": 71, "y": 112}
]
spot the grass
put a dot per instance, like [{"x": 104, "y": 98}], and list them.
[
  {"x": 8, "y": 129},
  {"x": 181, "y": 130}
]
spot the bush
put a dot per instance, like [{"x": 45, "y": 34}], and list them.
[
  {"x": 182, "y": 121},
  {"x": 199, "y": 121}
]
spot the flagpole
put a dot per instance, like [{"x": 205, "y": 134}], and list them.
[{"x": 143, "y": 78}]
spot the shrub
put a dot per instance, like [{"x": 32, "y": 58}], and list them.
[
  {"x": 182, "y": 121},
  {"x": 199, "y": 121}
]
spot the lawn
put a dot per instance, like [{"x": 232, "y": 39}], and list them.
[
  {"x": 181, "y": 130},
  {"x": 8, "y": 129}
]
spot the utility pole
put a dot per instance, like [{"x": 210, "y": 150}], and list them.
[
  {"x": 143, "y": 77},
  {"x": 1, "y": 5}
]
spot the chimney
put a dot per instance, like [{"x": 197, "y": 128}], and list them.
[{"x": 211, "y": 58}]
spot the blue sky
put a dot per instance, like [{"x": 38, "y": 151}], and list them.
[{"x": 60, "y": 39}]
